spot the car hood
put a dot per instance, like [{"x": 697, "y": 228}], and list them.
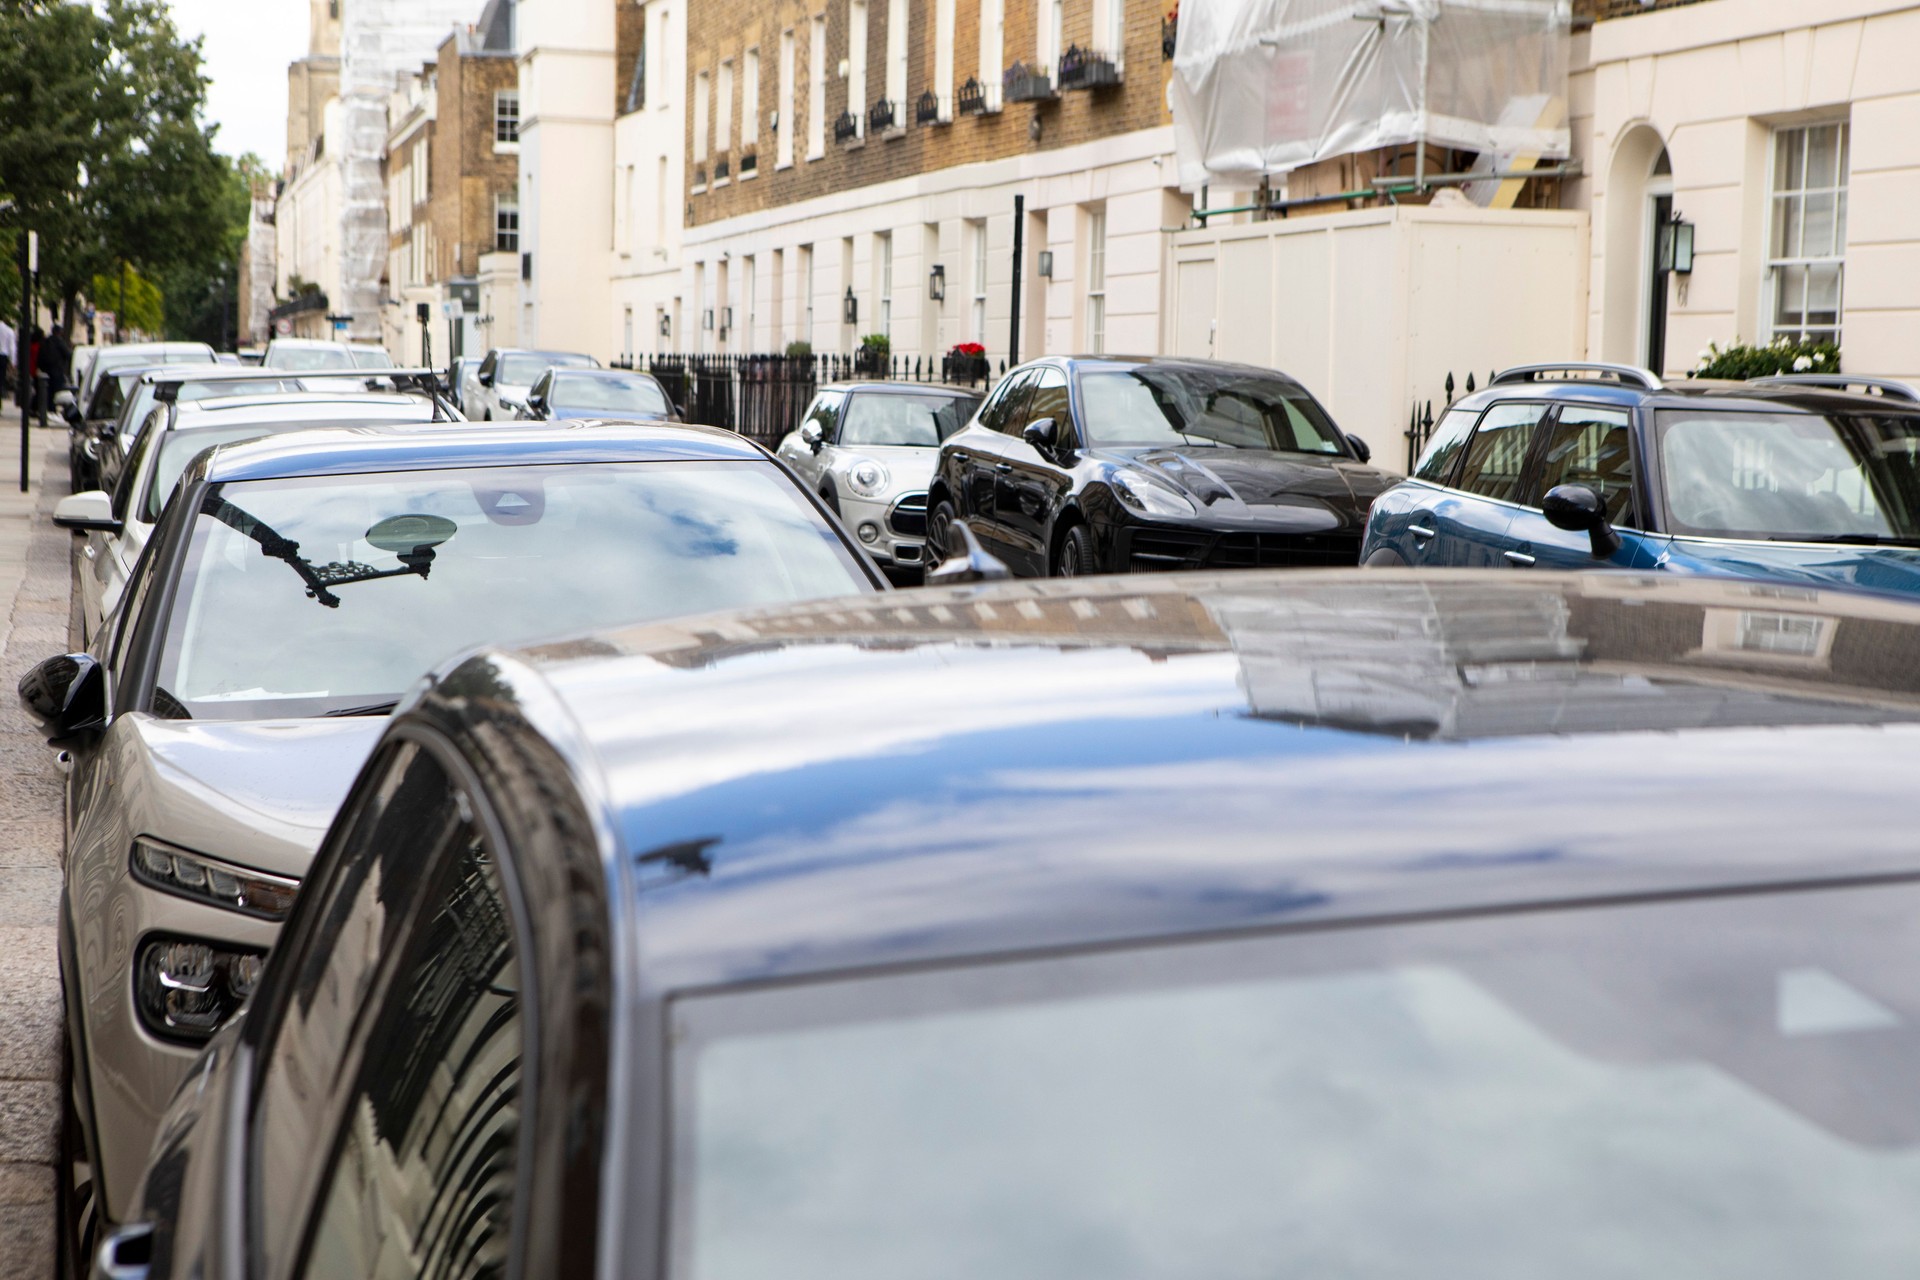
[
  {"x": 260, "y": 793},
  {"x": 1895, "y": 570},
  {"x": 1221, "y": 480}
]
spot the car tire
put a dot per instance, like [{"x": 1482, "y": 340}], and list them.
[
  {"x": 940, "y": 521},
  {"x": 1076, "y": 557},
  {"x": 78, "y": 1208},
  {"x": 1384, "y": 558}
]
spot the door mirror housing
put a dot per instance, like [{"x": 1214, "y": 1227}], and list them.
[
  {"x": 1577, "y": 509},
  {"x": 484, "y": 378},
  {"x": 966, "y": 561},
  {"x": 1361, "y": 449},
  {"x": 1044, "y": 435},
  {"x": 71, "y": 412},
  {"x": 812, "y": 436},
  {"x": 88, "y": 512},
  {"x": 66, "y": 696}
]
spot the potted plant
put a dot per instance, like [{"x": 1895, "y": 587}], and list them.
[
  {"x": 872, "y": 358},
  {"x": 1782, "y": 355},
  {"x": 966, "y": 362}
]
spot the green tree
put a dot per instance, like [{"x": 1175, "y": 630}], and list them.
[{"x": 134, "y": 299}]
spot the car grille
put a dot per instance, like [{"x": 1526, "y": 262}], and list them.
[
  {"x": 1166, "y": 549},
  {"x": 909, "y": 516}
]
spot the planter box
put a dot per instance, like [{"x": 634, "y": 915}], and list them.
[
  {"x": 1023, "y": 85},
  {"x": 1085, "y": 69}
]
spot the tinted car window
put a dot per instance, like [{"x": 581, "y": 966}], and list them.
[
  {"x": 130, "y": 472},
  {"x": 1049, "y": 400},
  {"x": 423, "y": 1180},
  {"x": 1006, "y": 403},
  {"x": 1590, "y": 447},
  {"x": 1498, "y": 451},
  {"x": 401, "y": 823},
  {"x": 1443, "y": 448},
  {"x": 1195, "y": 405}
]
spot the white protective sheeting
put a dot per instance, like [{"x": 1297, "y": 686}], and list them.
[{"x": 1262, "y": 87}]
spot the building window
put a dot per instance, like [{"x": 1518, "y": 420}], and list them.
[
  {"x": 506, "y": 224},
  {"x": 1808, "y": 239},
  {"x": 806, "y": 293},
  {"x": 857, "y": 64},
  {"x": 993, "y": 16},
  {"x": 626, "y": 348},
  {"x": 725, "y": 106},
  {"x": 1047, "y": 46},
  {"x": 662, "y": 74},
  {"x": 750, "y": 99},
  {"x": 702, "y": 102},
  {"x": 883, "y": 270},
  {"x": 1096, "y": 280},
  {"x": 943, "y": 23},
  {"x": 817, "y": 87},
  {"x": 977, "y": 238},
  {"x": 783, "y": 122},
  {"x": 1110, "y": 29},
  {"x": 506, "y": 117},
  {"x": 637, "y": 83},
  {"x": 897, "y": 59}
]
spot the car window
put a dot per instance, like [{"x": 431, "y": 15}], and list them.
[
  {"x": 1007, "y": 401},
  {"x": 487, "y": 361},
  {"x": 826, "y": 413},
  {"x": 1443, "y": 448},
  {"x": 1498, "y": 451},
  {"x": 111, "y": 394},
  {"x": 1226, "y": 406},
  {"x": 411, "y": 814},
  {"x": 311, "y": 358},
  {"x": 1590, "y": 447},
  {"x": 540, "y": 388},
  {"x": 424, "y": 1175},
  {"x": 891, "y": 418},
  {"x": 1048, "y": 400},
  {"x": 614, "y": 394},
  {"x": 143, "y": 445}
]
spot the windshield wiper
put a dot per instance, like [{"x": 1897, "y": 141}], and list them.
[
  {"x": 371, "y": 709},
  {"x": 1850, "y": 539}
]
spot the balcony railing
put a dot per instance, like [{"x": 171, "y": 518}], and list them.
[
  {"x": 846, "y": 127},
  {"x": 1026, "y": 85},
  {"x": 975, "y": 99},
  {"x": 1169, "y": 35},
  {"x": 1087, "y": 69},
  {"x": 882, "y": 116},
  {"x": 927, "y": 109}
]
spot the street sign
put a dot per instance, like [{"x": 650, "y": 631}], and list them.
[{"x": 283, "y": 327}]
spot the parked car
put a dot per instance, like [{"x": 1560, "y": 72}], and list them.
[
  {"x": 369, "y": 355},
  {"x": 293, "y": 589},
  {"x": 1569, "y": 466},
  {"x": 507, "y": 374},
  {"x": 125, "y": 353},
  {"x": 1148, "y": 926},
  {"x": 109, "y": 381},
  {"x": 869, "y": 449},
  {"x": 118, "y": 525},
  {"x": 621, "y": 395},
  {"x": 459, "y": 370},
  {"x": 1111, "y": 464},
  {"x": 305, "y": 354},
  {"x": 114, "y": 441}
]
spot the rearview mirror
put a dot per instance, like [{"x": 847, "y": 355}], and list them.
[
  {"x": 484, "y": 378},
  {"x": 1040, "y": 433},
  {"x": 66, "y": 696},
  {"x": 1576, "y": 508},
  {"x": 1361, "y": 449},
  {"x": 91, "y": 511},
  {"x": 966, "y": 561}
]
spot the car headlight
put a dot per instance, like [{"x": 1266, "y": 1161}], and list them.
[
  {"x": 867, "y": 478},
  {"x": 187, "y": 987},
  {"x": 1149, "y": 497},
  {"x": 218, "y": 884}
]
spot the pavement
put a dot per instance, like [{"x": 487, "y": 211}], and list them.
[{"x": 35, "y": 590}]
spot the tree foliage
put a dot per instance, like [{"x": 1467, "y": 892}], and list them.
[
  {"x": 104, "y": 152},
  {"x": 133, "y": 299}
]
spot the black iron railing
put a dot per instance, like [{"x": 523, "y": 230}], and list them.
[
  {"x": 1087, "y": 69},
  {"x": 927, "y": 109},
  {"x": 1422, "y": 417},
  {"x": 1169, "y": 36},
  {"x": 972, "y": 99},
  {"x": 846, "y": 127},
  {"x": 1024, "y": 84},
  {"x": 882, "y": 116}
]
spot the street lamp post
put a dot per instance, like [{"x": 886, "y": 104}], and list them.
[{"x": 29, "y": 268}]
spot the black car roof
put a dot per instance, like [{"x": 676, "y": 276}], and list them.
[{"x": 962, "y": 772}]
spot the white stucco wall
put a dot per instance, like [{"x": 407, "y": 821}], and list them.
[{"x": 649, "y": 213}]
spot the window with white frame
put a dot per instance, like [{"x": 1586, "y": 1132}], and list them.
[
  {"x": 783, "y": 123},
  {"x": 506, "y": 224},
  {"x": 749, "y": 286},
  {"x": 660, "y": 202},
  {"x": 817, "y": 86},
  {"x": 993, "y": 18},
  {"x": 897, "y": 59},
  {"x": 943, "y": 29},
  {"x": 857, "y": 64},
  {"x": 660, "y": 49},
  {"x": 506, "y": 117},
  {"x": 806, "y": 293},
  {"x": 724, "y": 108},
  {"x": 750, "y": 99},
  {"x": 1047, "y": 47},
  {"x": 1110, "y": 29},
  {"x": 702, "y": 102},
  {"x": 883, "y": 269},
  {"x": 1808, "y": 238},
  {"x": 421, "y": 179},
  {"x": 977, "y": 250},
  {"x": 1097, "y": 280}
]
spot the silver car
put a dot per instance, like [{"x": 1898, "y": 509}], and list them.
[
  {"x": 868, "y": 449},
  {"x": 293, "y": 589},
  {"x": 500, "y": 385}
]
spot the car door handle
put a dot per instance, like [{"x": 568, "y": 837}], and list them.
[
  {"x": 959, "y": 455},
  {"x": 1419, "y": 531},
  {"x": 1003, "y": 466},
  {"x": 1520, "y": 558}
]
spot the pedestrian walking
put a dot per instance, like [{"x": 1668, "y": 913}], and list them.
[
  {"x": 8, "y": 340},
  {"x": 56, "y": 358},
  {"x": 35, "y": 339}
]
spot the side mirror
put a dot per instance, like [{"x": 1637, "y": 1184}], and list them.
[
  {"x": 1044, "y": 435},
  {"x": 71, "y": 412},
  {"x": 66, "y": 696},
  {"x": 812, "y": 436},
  {"x": 88, "y": 512},
  {"x": 484, "y": 379},
  {"x": 966, "y": 561},
  {"x": 1576, "y": 508},
  {"x": 1361, "y": 449}
]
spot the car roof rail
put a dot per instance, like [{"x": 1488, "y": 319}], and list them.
[
  {"x": 1582, "y": 371},
  {"x": 1887, "y": 388},
  {"x": 420, "y": 381}
]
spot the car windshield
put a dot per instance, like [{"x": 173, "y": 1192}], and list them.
[
  {"x": 1231, "y": 408},
  {"x": 893, "y": 418},
  {"x": 523, "y": 368},
  {"x": 320, "y": 595},
  {"x": 1791, "y": 476},
  {"x": 1722, "y": 1089},
  {"x": 371, "y": 358},
  {"x": 609, "y": 393},
  {"x": 297, "y": 358}
]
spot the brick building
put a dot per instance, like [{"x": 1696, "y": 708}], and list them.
[
  {"x": 856, "y": 158},
  {"x": 453, "y": 217}
]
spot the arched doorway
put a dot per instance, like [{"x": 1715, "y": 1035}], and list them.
[{"x": 1634, "y": 295}]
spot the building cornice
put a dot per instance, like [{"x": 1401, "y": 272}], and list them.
[{"x": 1699, "y": 26}]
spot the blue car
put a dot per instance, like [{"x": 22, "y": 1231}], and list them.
[{"x": 1810, "y": 479}]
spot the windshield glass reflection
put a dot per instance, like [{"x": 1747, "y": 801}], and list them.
[{"x": 1229, "y": 408}]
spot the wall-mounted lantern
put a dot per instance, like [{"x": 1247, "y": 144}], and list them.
[
  {"x": 666, "y": 325},
  {"x": 850, "y": 308},
  {"x": 1676, "y": 246},
  {"x": 706, "y": 318},
  {"x": 937, "y": 283},
  {"x": 1046, "y": 263}
]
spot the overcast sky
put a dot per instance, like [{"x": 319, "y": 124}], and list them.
[{"x": 247, "y": 46}]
